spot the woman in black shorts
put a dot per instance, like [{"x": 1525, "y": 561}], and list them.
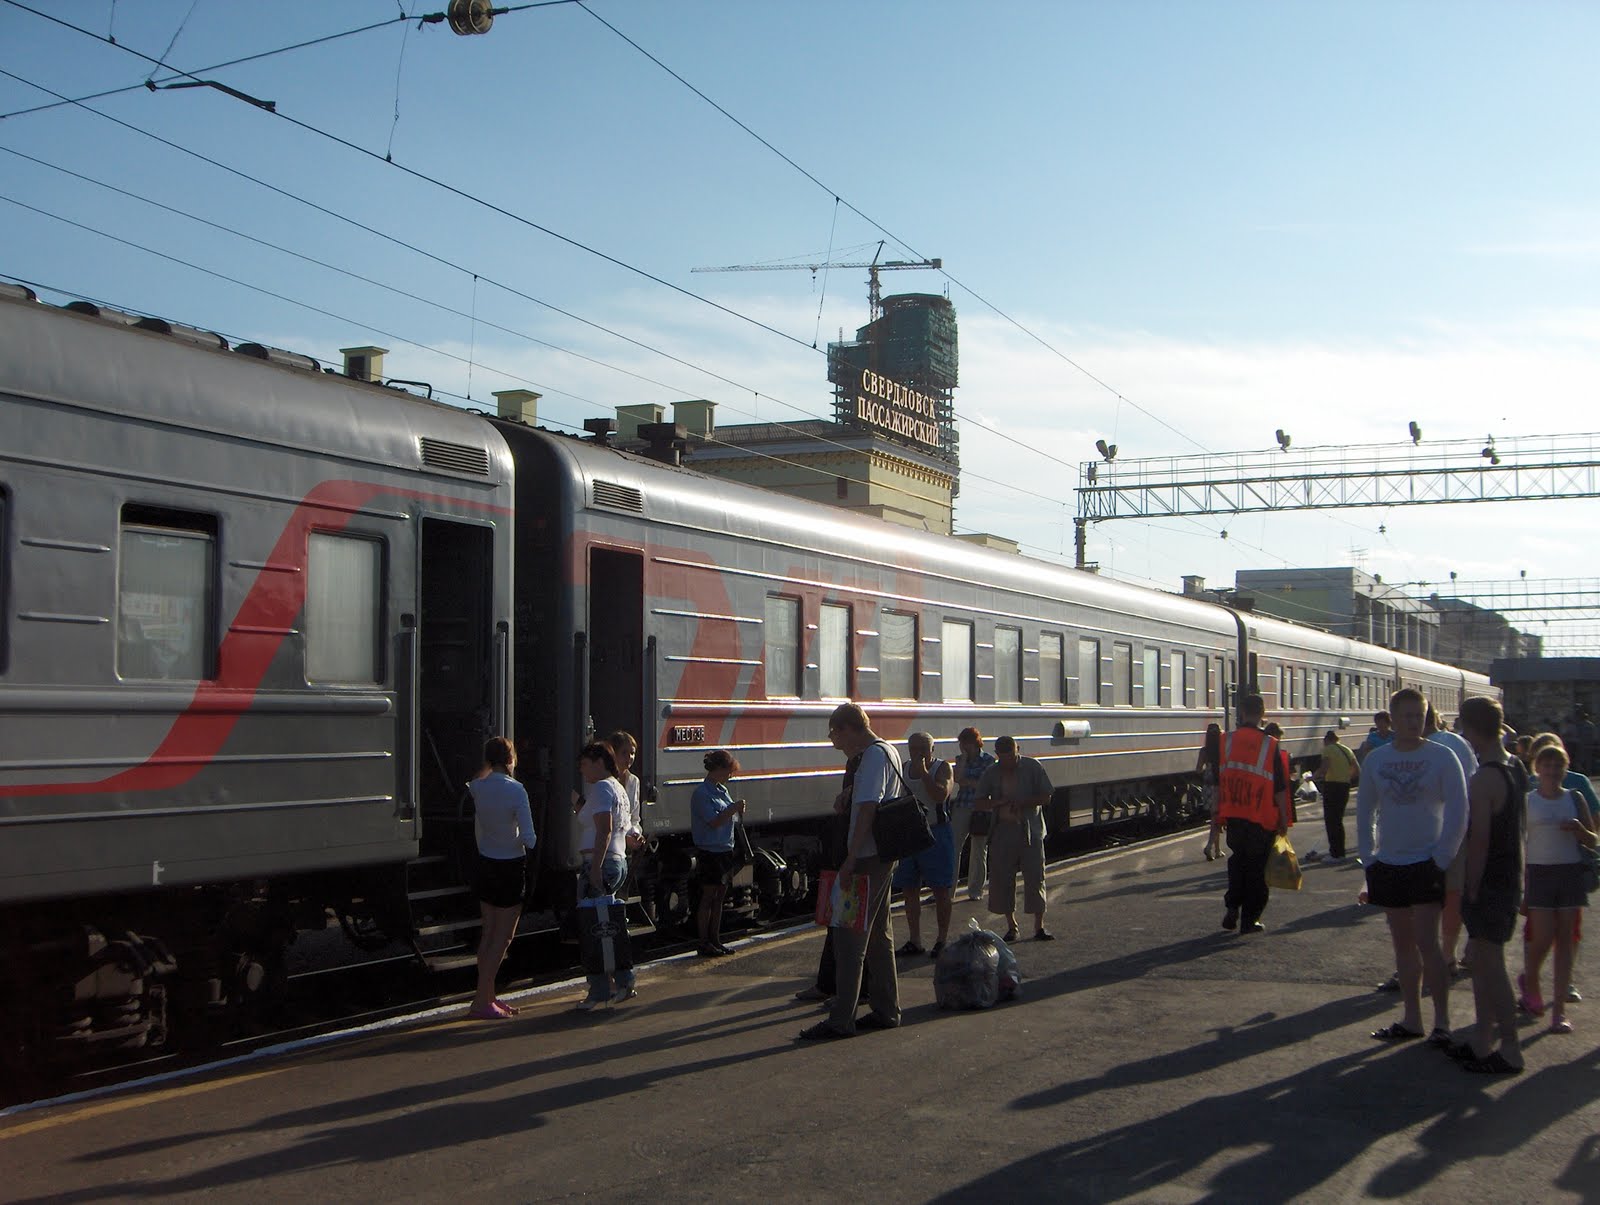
[
  {"x": 504, "y": 828},
  {"x": 712, "y": 813}
]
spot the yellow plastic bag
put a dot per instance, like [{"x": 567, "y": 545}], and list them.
[{"x": 1283, "y": 868}]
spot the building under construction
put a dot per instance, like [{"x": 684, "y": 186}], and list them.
[{"x": 897, "y": 377}]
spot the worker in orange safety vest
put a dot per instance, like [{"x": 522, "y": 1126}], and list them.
[{"x": 1253, "y": 806}]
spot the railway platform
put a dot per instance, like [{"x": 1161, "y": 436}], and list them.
[{"x": 1152, "y": 1057}]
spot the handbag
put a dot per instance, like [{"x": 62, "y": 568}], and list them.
[
  {"x": 743, "y": 855},
  {"x": 982, "y": 823},
  {"x": 1588, "y": 859},
  {"x": 900, "y": 826}
]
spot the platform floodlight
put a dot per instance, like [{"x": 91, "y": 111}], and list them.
[
  {"x": 1283, "y": 438},
  {"x": 1416, "y": 432},
  {"x": 1109, "y": 451}
]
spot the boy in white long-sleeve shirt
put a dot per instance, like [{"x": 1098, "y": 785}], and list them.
[{"x": 1411, "y": 815}]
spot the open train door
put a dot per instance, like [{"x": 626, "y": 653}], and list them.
[
  {"x": 616, "y": 643},
  {"x": 459, "y": 680}
]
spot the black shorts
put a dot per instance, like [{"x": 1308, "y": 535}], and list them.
[
  {"x": 1405, "y": 886},
  {"x": 500, "y": 881},
  {"x": 713, "y": 867},
  {"x": 1492, "y": 917}
]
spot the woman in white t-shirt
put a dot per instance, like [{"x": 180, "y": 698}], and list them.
[
  {"x": 624, "y": 748},
  {"x": 1558, "y": 824},
  {"x": 602, "y": 841}
]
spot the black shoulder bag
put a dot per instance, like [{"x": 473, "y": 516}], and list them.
[{"x": 900, "y": 825}]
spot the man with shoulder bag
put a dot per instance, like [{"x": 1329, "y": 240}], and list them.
[{"x": 877, "y": 780}]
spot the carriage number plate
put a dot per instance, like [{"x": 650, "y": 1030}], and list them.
[{"x": 689, "y": 734}]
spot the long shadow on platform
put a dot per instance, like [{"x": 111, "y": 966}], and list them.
[
  {"x": 352, "y": 1141},
  {"x": 1304, "y": 1130}
]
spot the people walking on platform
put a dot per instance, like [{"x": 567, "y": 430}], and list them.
[
  {"x": 1208, "y": 765},
  {"x": 1017, "y": 790},
  {"x": 967, "y": 825},
  {"x": 1411, "y": 815},
  {"x": 503, "y": 825},
  {"x": 1339, "y": 770},
  {"x": 712, "y": 813},
  {"x": 1253, "y": 806},
  {"x": 1434, "y": 730},
  {"x": 1491, "y": 892},
  {"x": 602, "y": 843},
  {"x": 1558, "y": 829},
  {"x": 877, "y": 779},
  {"x": 1379, "y": 735},
  {"x": 929, "y": 779}
]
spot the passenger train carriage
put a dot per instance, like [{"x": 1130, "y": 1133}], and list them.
[{"x": 256, "y": 620}]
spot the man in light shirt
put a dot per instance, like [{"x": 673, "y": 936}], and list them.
[{"x": 1411, "y": 815}]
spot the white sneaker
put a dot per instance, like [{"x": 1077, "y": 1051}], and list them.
[
  {"x": 624, "y": 993},
  {"x": 588, "y": 1004}
]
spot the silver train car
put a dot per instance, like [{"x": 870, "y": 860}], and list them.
[{"x": 256, "y": 620}]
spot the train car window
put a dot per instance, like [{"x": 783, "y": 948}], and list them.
[
  {"x": 1050, "y": 668},
  {"x": 1151, "y": 679},
  {"x": 782, "y": 631},
  {"x": 956, "y": 648},
  {"x": 1007, "y": 665},
  {"x": 897, "y": 655},
  {"x": 344, "y": 609},
  {"x": 1304, "y": 687},
  {"x": 833, "y": 651},
  {"x": 1088, "y": 673},
  {"x": 166, "y": 595},
  {"x": 1121, "y": 674},
  {"x": 1180, "y": 676},
  {"x": 1202, "y": 674}
]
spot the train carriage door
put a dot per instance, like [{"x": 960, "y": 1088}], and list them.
[
  {"x": 459, "y": 673},
  {"x": 616, "y": 641}
]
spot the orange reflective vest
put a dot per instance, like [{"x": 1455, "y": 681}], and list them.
[{"x": 1245, "y": 786}]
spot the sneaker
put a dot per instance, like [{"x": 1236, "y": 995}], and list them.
[
  {"x": 1230, "y": 919},
  {"x": 624, "y": 993},
  {"x": 589, "y": 1003},
  {"x": 1391, "y": 984},
  {"x": 909, "y": 949},
  {"x": 1574, "y": 996},
  {"x": 1311, "y": 856},
  {"x": 1253, "y": 926},
  {"x": 812, "y": 993}
]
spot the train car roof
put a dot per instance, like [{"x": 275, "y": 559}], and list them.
[
  {"x": 150, "y": 370},
  {"x": 684, "y": 497}
]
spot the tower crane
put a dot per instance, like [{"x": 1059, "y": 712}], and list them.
[{"x": 874, "y": 293}]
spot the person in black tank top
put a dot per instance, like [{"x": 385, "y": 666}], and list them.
[{"x": 1492, "y": 892}]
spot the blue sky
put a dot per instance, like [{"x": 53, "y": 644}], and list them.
[{"x": 1332, "y": 218}]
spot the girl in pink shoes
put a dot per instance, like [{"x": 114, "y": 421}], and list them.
[{"x": 1558, "y": 826}]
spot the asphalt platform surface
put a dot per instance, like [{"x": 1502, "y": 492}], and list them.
[{"x": 1153, "y": 1057}]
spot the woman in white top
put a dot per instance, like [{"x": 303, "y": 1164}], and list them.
[
  {"x": 624, "y": 748},
  {"x": 504, "y": 828},
  {"x": 602, "y": 842},
  {"x": 1558, "y": 824}
]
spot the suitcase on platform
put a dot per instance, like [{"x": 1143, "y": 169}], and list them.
[{"x": 603, "y": 942}]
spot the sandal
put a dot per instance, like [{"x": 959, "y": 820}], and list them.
[
  {"x": 1461, "y": 1052},
  {"x": 822, "y": 1031},
  {"x": 1441, "y": 1038},
  {"x": 1011, "y": 934},
  {"x": 509, "y": 1010},
  {"x": 1396, "y": 1033},
  {"x": 1532, "y": 1005},
  {"x": 491, "y": 1013},
  {"x": 1494, "y": 1064},
  {"x": 1560, "y": 1025},
  {"x": 909, "y": 949}
]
